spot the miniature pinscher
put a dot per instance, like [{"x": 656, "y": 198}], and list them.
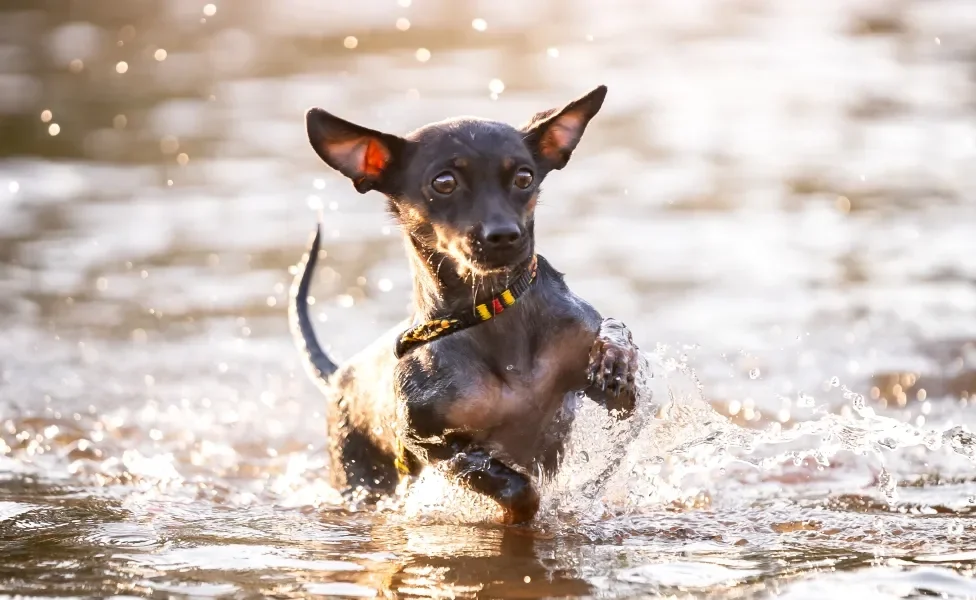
[{"x": 481, "y": 379}]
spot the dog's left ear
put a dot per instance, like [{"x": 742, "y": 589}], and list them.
[
  {"x": 553, "y": 135},
  {"x": 369, "y": 158}
]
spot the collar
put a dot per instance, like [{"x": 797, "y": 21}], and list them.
[{"x": 444, "y": 325}]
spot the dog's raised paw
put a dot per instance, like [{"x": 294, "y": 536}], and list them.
[{"x": 613, "y": 365}]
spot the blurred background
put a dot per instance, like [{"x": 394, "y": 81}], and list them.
[{"x": 785, "y": 189}]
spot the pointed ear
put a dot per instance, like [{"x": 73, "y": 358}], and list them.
[
  {"x": 553, "y": 135},
  {"x": 369, "y": 158}
]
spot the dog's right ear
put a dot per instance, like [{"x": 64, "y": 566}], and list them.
[{"x": 369, "y": 158}]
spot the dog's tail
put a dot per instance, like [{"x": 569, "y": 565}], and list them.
[{"x": 317, "y": 363}]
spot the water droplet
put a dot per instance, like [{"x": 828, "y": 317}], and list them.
[
  {"x": 54, "y": 129},
  {"x": 887, "y": 484},
  {"x": 960, "y": 441},
  {"x": 553, "y": 52},
  {"x": 403, "y": 24},
  {"x": 858, "y": 402},
  {"x": 160, "y": 55},
  {"x": 210, "y": 10},
  {"x": 834, "y": 381},
  {"x": 510, "y": 367},
  {"x": 584, "y": 456},
  {"x": 350, "y": 42},
  {"x": 754, "y": 374},
  {"x": 423, "y": 54},
  {"x": 479, "y": 24},
  {"x": 46, "y": 116},
  {"x": 121, "y": 67},
  {"x": 496, "y": 86}
]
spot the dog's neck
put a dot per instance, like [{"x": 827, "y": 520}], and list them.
[{"x": 443, "y": 286}]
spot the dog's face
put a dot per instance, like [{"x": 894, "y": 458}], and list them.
[{"x": 464, "y": 187}]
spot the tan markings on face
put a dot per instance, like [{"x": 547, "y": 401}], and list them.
[
  {"x": 532, "y": 202},
  {"x": 460, "y": 163},
  {"x": 412, "y": 214},
  {"x": 454, "y": 245},
  {"x": 508, "y": 164}
]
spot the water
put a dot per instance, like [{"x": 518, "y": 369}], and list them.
[{"x": 777, "y": 198}]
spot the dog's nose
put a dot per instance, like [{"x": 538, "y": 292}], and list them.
[{"x": 502, "y": 235}]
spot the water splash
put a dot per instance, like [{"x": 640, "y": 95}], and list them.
[{"x": 618, "y": 468}]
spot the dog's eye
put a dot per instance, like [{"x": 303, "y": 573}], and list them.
[
  {"x": 445, "y": 183},
  {"x": 523, "y": 178}
]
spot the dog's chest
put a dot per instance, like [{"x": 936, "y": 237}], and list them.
[{"x": 520, "y": 396}]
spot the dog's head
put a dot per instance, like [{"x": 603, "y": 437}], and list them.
[{"x": 465, "y": 187}]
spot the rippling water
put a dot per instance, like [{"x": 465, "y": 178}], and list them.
[{"x": 778, "y": 198}]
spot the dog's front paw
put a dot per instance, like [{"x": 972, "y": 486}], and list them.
[
  {"x": 520, "y": 500},
  {"x": 614, "y": 360}
]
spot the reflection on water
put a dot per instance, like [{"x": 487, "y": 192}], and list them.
[{"x": 779, "y": 193}]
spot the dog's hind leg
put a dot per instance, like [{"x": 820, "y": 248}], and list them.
[
  {"x": 365, "y": 465},
  {"x": 359, "y": 465}
]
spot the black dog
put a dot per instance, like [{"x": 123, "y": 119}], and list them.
[{"x": 481, "y": 379}]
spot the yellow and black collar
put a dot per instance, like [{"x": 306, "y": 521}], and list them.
[{"x": 448, "y": 324}]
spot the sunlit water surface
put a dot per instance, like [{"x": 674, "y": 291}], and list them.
[{"x": 778, "y": 198}]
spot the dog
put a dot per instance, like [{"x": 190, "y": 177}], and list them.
[{"x": 481, "y": 379}]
